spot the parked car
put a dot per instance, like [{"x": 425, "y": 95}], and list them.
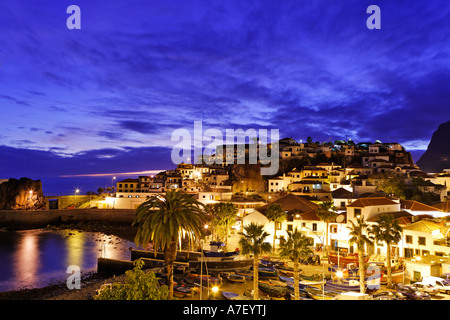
[
  {"x": 388, "y": 295},
  {"x": 426, "y": 287},
  {"x": 412, "y": 293},
  {"x": 440, "y": 283}
]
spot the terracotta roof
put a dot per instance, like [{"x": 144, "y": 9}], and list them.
[
  {"x": 416, "y": 206},
  {"x": 426, "y": 225},
  {"x": 375, "y": 201},
  {"x": 292, "y": 203},
  {"x": 342, "y": 193},
  {"x": 443, "y": 206}
]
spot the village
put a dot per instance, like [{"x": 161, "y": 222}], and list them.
[{"x": 356, "y": 184}]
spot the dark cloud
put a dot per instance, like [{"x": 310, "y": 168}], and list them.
[{"x": 305, "y": 68}]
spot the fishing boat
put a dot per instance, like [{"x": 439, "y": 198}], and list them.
[
  {"x": 234, "y": 278},
  {"x": 235, "y": 296},
  {"x": 343, "y": 285},
  {"x": 246, "y": 273},
  {"x": 204, "y": 278},
  {"x": 182, "y": 291},
  {"x": 320, "y": 294},
  {"x": 286, "y": 270},
  {"x": 314, "y": 277},
  {"x": 272, "y": 290},
  {"x": 267, "y": 272},
  {"x": 343, "y": 259},
  {"x": 221, "y": 264}
]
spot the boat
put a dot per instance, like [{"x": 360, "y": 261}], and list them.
[
  {"x": 314, "y": 277},
  {"x": 343, "y": 259},
  {"x": 221, "y": 264},
  {"x": 246, "y": 273},
  {"x": 234, "y": 278},
  {"x": 303, "y": 296},
  {"x": 269, "y": 263},
  {"x": 182, "y": 291},
  {"x": 267, "y": 272},
  {"x": 235, "y": 296},
  {"x": 272, "y": 290},
  {"x": 304, "y": 284},
  {"x": 286, "y": 270},
  {"x": 321, "y": 294},
  {"x": 343, "y": 285},
  {"x": 208, "y": 253},
  {"x": 204, "y": 278},
  {"x": 263, "y": 296}
]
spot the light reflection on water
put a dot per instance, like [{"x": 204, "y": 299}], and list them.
[{"x": 36, "y": 258}]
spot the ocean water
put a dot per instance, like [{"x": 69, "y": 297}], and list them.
[
  {"x": 68, "y": 185},
  {"x": 37, "y": 258}
]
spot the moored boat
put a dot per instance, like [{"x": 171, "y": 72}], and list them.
[
  {"x": 272, "y": 290},
  {"x": 234, "y": 296},
  {"x": 342, "y": 286},
  {"x": 344, "y": 259},
  {"x": 267, "y": 272},
  {"x": 234, "y": 278},
  {"x": 321, "y": 294},
  {"x": 204, "y": 278}
]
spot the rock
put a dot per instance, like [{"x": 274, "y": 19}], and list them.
[
  {"x": 437, "y": 156},
  {"x": 247, "y": 177},
  {"x": 15, "y": 194}
]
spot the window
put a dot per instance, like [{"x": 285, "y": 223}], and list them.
[
  {"x": 314, "y": 226},
  {"x": 342, "y": 204},
  {"x": 277, "y": 225},
  {"x": 333, "y": 229},
  {"x": 357, "y": 212},
  {"x": 409, "y": 239},
  {"x": 422, "y": 241},
  {"x": 289, "y": 227}
]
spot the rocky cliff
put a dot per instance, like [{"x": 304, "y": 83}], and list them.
[
  {"x": 437, "y": 156},
  {"x": 247, "y": 177},
  {"x": 21, "y": 194}
]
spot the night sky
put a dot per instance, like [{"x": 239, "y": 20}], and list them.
[{"x": 106, "y": 98}]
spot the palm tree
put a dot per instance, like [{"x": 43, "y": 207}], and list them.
[
  {"x": 327, "y": 213},
  {"x": 253, "y": 242},
  {"x": 276, "y": 214},
  {"x": 296, "y": 246},
  {"x": 166, "y": 219},
  {"x": 226, "y": 214},
  {"x": 387, "y": 230},
  {"x": 358, "y": 236}
]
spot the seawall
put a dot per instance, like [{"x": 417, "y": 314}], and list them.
[{"x": 26, "y": 219}]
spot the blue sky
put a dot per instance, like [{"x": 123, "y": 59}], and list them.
[{"x": 106, "y": 98}]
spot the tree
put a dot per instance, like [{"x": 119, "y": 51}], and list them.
[
  {"x": 327, "y": 213},
  {"x": 276, "y": 214},
  {"x": 253, "y": 242},
  {"x": 297, "y": 245},
  {"x": 309, "y": 140},
  {"x": 358, "y": 236},
  {"x": 226, "y": 214},
  {"x": 139, "y": 285},
  {"x": 387, "y": 230},
  {"x": 100, "y": 190},
  {"x": 164, "y": 220}
]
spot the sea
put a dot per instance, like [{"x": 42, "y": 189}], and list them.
[
  {"x": 37, "y": 258},
  {"x": 64, "y": 186}
]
